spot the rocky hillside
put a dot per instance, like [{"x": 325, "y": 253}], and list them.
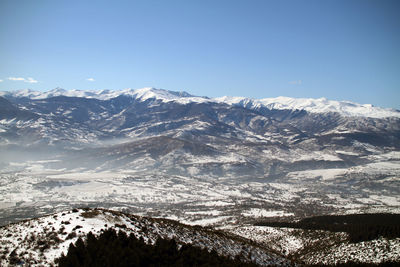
[{"x": 39, "y": 242}]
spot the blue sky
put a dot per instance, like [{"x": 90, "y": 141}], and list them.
[{"x": 342, "y": 50}]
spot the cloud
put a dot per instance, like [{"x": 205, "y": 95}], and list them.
[
  {"x": 1, "y": 81},
  {"x": 16, "y": 79},
  {"x": 30, "y": 80},
  {"x": 297, "y": 82},
  {"x": 27, "y": 80},
  {"x": 90, "y": 79}
]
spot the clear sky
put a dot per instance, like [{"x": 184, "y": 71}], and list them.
[{"x": 341, "y": 50}]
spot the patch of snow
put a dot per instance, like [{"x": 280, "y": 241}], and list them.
[
  {"x": 208, "y": 221},
  {"x": 5, "y": 205},
  {"x": 217, "y": 203},
  {"x": 257, "y": 213},
  {"x": 325, "y": 174},
  {"x": 317, "y": 155},
  {"x": 204, "y": 212}
]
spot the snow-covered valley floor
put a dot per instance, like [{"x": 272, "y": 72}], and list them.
[
  {"x": 229, "y": 203},
  {"x": 32, "y": 188}
]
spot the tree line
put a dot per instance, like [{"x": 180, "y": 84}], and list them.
[
  {"x": 360, "y": 227},
  {"x": 118, "y": 249}
]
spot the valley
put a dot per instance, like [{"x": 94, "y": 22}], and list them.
[{"x": 202, "y": 200}]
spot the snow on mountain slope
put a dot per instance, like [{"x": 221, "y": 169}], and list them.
[
  {"x": 140, "y": 94},
  {"x": 38, "y": 242},
  {"x": 322, "y": 247},
  {"x": 320, "y": 105}
]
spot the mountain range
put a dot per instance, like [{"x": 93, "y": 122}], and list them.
[{"x": 221, "y": 135}]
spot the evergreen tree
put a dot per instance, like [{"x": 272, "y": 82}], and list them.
[{"x": 117, "y": 249}]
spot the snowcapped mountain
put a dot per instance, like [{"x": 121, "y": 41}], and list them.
[
  {"x": 140, "y": 94},
  {"x": 321, "y": 105}
]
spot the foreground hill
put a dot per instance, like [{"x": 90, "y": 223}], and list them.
[{"x": 41, "y": 241}]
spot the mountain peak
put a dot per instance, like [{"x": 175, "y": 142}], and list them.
[
  {"x": 312, "y": 105},
  {"x": 162, "y": 94},
  {"x": 323, "y": 105}
]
